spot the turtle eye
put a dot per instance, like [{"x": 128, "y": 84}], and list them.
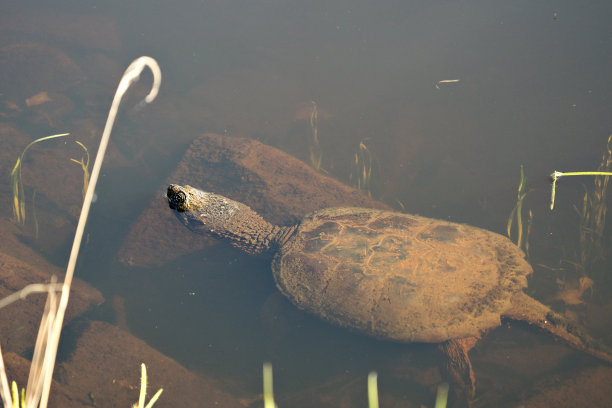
[
  {"x": 180, "y": 197},
  {"x": 176, "y": 197}
]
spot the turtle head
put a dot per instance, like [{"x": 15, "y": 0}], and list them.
[
  {"x": 212, "y": 213},
  {"x": 200, "y": 210}
]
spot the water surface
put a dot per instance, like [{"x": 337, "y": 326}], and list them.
[{"x": 532, "y": 89}]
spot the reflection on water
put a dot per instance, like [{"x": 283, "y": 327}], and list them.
[{"x": 533, "y": 90}]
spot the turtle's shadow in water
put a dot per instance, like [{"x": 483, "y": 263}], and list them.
[{"x": 218, "y": 312}]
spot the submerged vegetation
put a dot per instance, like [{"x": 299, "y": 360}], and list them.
[
  {"x": 314, "y": 146},
  {"x": 268, "y": 390},
  {"x": 522, "y": 239},
  {"x": 362, "y": 168},
  {"x": 18, "y": 400},
  {"x": 363, "y": 163},
  {"x": 45, "y": 350},
  {"x": 143, "y": 390},
  {"x": 373, "y": 390},
  {"x": 19, "y": 207},
  {"x": 84, "y": 163},
  {"x": 592, "y": 215},
  {"x": 19, "y": 211},
  {"x": 442, "y": 395}
]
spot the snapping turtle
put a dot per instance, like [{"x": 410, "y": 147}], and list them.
[{"x": 391, "y": 275}]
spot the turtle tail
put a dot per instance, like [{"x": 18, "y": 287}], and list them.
[{"x": 527, "y": 309}]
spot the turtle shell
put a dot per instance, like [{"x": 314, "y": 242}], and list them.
[{"x": 398, "y": 276}]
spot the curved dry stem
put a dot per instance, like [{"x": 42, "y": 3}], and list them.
[
  {"x": 32, "y": 288},
  {"x": 131, "y": 75}
]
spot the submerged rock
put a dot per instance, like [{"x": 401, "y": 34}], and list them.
[
  {"x": 270, "y": 181},
  {"x": 588, "y": 388},
  {"x": 19, "y": 267},
  {"x": 105, "y": 361},
  {"x": 18, "y": 369},
  {"x": 75, "y": 30},
  {"x": 27, "y": 69}
]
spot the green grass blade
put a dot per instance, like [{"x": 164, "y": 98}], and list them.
[
  {"x": 267, "y": 386},
  {"x": 372, "y": 390},
  {"x": 155, "y": 398},
  {"x": 17, "y": 186},
  {"x": 511, "y": 221},
  {"x": 15, "y": 392},
  {"x": 442, "y": 396},
  {"x": 143, "y": 385},
  {"x": 517, "y": 211}
]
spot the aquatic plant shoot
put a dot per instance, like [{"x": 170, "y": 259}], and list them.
[
  {"x": 442, "y": 396},
  {"x": 315, "y": 147},
  {"x": 143, "y": 390},
  {"x": 556, "y": 175},
  {"x": 363, "y": 168},
  {"x": 268, "y": 391},
  {"x": 18, "y": 195},
  {"x": 517, "y": 211},
  {"x": 84, "y": 163},
  {"x": 372, "y": 390}
]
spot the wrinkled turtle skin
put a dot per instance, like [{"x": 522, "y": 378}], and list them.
[{"x": 390, "y": 275}]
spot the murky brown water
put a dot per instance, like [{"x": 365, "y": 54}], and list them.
[{"x": 532, "y": 88}]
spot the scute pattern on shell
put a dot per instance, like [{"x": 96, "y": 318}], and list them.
[{"x": 398, "y": 276}]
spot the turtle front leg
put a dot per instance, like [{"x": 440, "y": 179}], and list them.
[{"x": 459, "y": 367}]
